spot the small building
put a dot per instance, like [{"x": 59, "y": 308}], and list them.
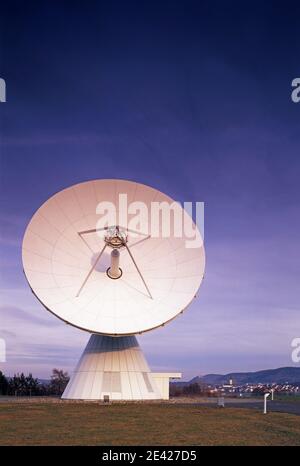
[{"x": 162, "y": 380}]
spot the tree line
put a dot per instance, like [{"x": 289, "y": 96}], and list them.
[
  {"x": 192, "y": 389},
  {"x": 27, "y": 385}
]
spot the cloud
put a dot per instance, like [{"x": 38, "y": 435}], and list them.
[{"x": 18, "y": 316}]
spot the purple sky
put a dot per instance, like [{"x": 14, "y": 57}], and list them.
[{"x": 192, "y": 99}]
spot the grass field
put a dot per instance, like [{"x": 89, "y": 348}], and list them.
[{"x": 142, "y": 424}]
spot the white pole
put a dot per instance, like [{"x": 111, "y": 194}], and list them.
[
  {"x": 265, "y": 402},
  {"x": 114, "y": 270},
  {"x": 272, "y": 392}
]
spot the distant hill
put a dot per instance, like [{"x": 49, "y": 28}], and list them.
[
  {"x": 280, "y": 376},
  {"x": 44, "y": 381}
]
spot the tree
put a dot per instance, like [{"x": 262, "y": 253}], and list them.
[
  {"x": 16, "y": 384},
  {"x": 192, "y": 389},
  {"x": 175, "y": 389},
  {"x": 3, "y": 384},
  {"x": 32, "y": 385},
  {"x": 21, "y": 385},
  {"x": 59, "y": 380}
]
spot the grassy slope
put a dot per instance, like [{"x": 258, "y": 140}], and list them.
[{"x": 91, "y": 424}]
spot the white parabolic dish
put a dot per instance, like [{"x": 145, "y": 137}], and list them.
[{"x": 57, "y": 261}]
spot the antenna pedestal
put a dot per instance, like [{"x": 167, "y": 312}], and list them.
[{"x": 113, "y": 366}]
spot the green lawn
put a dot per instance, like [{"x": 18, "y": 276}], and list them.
[
  {"x": 142, "y": 424},
  {"x": 287, "y": 398}
]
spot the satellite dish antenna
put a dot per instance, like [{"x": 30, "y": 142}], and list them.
[{"x": 111, "y": 279}]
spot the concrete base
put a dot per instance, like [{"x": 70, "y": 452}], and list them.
[{"x": 116, "y": 367}]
